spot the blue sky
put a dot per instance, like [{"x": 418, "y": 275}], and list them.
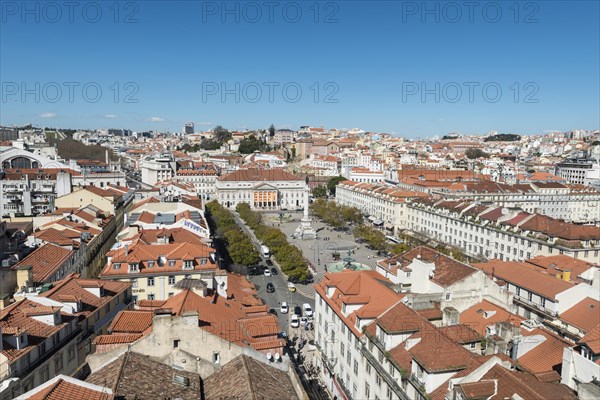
[{"x": 394, "y": 67}]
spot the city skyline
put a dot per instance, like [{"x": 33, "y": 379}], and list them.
[{"x": 405, "y": 69}]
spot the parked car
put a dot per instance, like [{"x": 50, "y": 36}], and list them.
[
  {"x": 269, "y": 263},
  {"x": 298, "y": 311},
  {"x": 274, "y": 271},
  {"x": 303, "y": 321},
  {"x": 267, "y": 272},
  {"x": 307, "y": 309},
  {"x": 295, "y": 321},
  {"x": 270, "y": 288},
  {"x": 273, "y": 311},
  {"x": 284, "y": 309}
]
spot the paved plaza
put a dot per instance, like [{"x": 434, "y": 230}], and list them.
[{"x": 320, "y": 251}]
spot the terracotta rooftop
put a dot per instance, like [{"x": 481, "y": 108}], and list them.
[
  {"x": 546, "y": 356},
  {"x": 526, "y": 276},
  {"x": 63, "y": 387},
  {"x": 131, "y": 321},
  {"x": 255, "y": 174},
  {"x": 592, "y": 339},
  {"x": 447, "y": 270},
  {"x": 45, "y": 261},
  {"x": 526, "y": 386},
  {"x": 462, "y": 334},
  {"x": 135, "y": 376},
  {"x": 253, "y": 380},
  {"x": 436, "y": 353},
  {"x": 484, "y": 314},
  {"x": 584, "y": 315},
  {"x": 369, "y": 285}
]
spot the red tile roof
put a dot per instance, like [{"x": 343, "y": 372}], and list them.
[
  {"x": 369, "y": 285},
  {"x": 584, "y": 315},
  {"x": 62, "y": 389},
  {"x": 255, "y": 174},
  {"x": 131, "y": 321},
  {"x": 526, "y": 276},
  {"x": 45, "y": 261}
]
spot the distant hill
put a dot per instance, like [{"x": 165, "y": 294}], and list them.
[
  {"x": 503, "y": 137},
  {"x": 73, "y": 149}
]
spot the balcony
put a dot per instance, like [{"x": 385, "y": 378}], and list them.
[
  {"x": 535, "y": 307},
  {"x": 329, "y": 363}
]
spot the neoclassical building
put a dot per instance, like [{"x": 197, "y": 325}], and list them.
[{"x": 263, "y": 189}]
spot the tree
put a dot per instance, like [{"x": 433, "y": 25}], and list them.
[
  {"x": 319, "y": 191},
  {"x": 476, "y": 153},
  {"x": 333, "y": 182},
  {"x": 272, "y": 130},
  {"x": 221, "y": 134},
  {"x": 251, "y": 144}
]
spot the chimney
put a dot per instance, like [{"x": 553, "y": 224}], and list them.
[
  {"x": 566, "y": 275},
  {"x": 126, "y": 250}
]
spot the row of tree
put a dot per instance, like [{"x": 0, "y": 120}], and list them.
[
  {"x": 240, "y": 248},
  {"x": 289, "y": 257},
  {"x": 334, "y": 214}
]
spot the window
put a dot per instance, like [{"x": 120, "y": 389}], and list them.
[
  {"x": 530, "y": 296},
  {"x": 151, "y": 296},
  {"x": 171, "y": 263},
  {"x": 150, "y": 281},
  {"x": 134, "y": 267},
  {"x": 367, "y": 390},
  {"x": 134, "y": 283},
  {"x": 472, "y": 346},
  {"x": 368, "y": 369},
  {"x": 349, "y": 357},
  {"x": 45, "y": 373},
  {"x": 58, "y": 363},
  {"x": 342, "y": 348},
  {"x": 188, "y": 264},
  {"x": 203, "y": 260},
  {"x": 116, "y": 266},
  {"x": 71, "y": 354},
  {"x": 171, "y": 294},
  {"x": 171, "y": 280},
  {"x": 355, "y": 367},
  {"x": 448, "y": 296},
  {"x": 542, "y": 302},
  {"x": 216, "y": 357},
  {"x": 176, "y": 343},
  {"x": 378, "y": 380},
  {"x": 151, "y": 264}
]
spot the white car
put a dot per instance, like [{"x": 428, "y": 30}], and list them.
[
  {"x": 307, "y": 310},
  {"x": 267, "y": 272},
  {"x": 295, "y": 321},
  {"x": 303, "y": 321},
  {"x": 284, "y": 309}
]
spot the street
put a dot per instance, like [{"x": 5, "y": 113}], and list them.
[{"x": 281, "y": 294}]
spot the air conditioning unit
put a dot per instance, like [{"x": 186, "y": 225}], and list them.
[{"x": 181, "y": 380}]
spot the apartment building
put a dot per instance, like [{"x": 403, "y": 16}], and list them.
[
  {"x": 158, "y": 168},
  {"x": 48, "y": 333},
  {"x": 387, "y": 205},
  {"x": 373, "y": 346},
  {"x": 537, "y": 294},
  {"x": 487, "y": 231},
  {"x": 579, "y": 171},
  {"x": 202, "y": 179},
  {"x": 154, "y": 270},
  {"x": 553, "y": 199}
]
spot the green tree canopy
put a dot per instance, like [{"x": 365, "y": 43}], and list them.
[{"x": 333, "y": 182}]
